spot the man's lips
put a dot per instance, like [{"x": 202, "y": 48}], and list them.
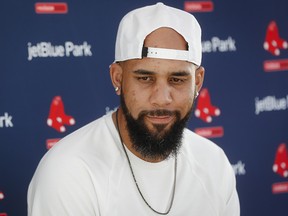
[{"x": 165, "y": 119}]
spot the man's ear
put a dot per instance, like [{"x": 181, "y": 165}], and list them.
[
  {"x": 199, "y": 78},
  {"x": 116, "y": 73}
]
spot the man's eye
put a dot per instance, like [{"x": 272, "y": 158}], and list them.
[
  {"x": 145, "y": 78},
  {"x": 176, "y": 80}
]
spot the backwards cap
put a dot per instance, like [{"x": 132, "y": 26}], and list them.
[{"x": 137, "y": 24}]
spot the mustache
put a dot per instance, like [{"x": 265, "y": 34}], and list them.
[{"x": 158, "y": 112}]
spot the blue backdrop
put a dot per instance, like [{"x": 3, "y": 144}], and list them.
[{"x": 54, "y": 61}]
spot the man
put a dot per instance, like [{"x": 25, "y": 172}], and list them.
[{"x": 140, "y": 160}]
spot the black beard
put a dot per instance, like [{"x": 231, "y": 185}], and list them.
[{"x": 155, "y": 145}]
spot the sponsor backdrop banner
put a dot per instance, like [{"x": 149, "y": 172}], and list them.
[{"x": 54, "y": 73}]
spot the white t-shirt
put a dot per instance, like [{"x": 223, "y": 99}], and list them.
[{"x": 87, "y": 174}]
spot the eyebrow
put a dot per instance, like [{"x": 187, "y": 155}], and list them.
[
  {"x": 146, "y": 72},
  {"x": 181, "y": 73},
  {"x": 143, "y": 72}
]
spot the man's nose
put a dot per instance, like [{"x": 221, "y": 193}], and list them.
[{"x": 161, "y": 95}]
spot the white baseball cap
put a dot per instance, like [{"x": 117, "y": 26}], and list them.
[{"x": 137, "y": 24}]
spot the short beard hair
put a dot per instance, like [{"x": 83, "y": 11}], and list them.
[{"x": 155, "y": 145}]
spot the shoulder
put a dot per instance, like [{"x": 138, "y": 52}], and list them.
[
  {"x": 204, "y": 153},
  {"x": 200, "y": 148},
  {"x": 62, "y": 183},
  {"x": 91, "y": 138},
  {"x": 209, "y": 163},
  {"x": 81, "y": 153},
  {"x": 79, "y": 164}
]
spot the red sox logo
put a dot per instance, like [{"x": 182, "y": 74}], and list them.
[
  {"x": 273, "y": 44},
  {"x": 57, "y": 117},
  {"x": 204, "y": 109},
  {"x": 280, "y": 165}
]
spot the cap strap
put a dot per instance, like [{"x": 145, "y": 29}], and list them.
[{"x": 152, "y": 52}]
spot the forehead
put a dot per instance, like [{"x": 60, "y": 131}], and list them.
[{"x": 158, "y": 66}]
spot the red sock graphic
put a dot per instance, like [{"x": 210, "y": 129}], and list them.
[
  {"x": 205, "y": 110},
  {"x": 273, "y": 43},
  {"x": 280, "y": 165},
  {"x": 57, "y": 117}
]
